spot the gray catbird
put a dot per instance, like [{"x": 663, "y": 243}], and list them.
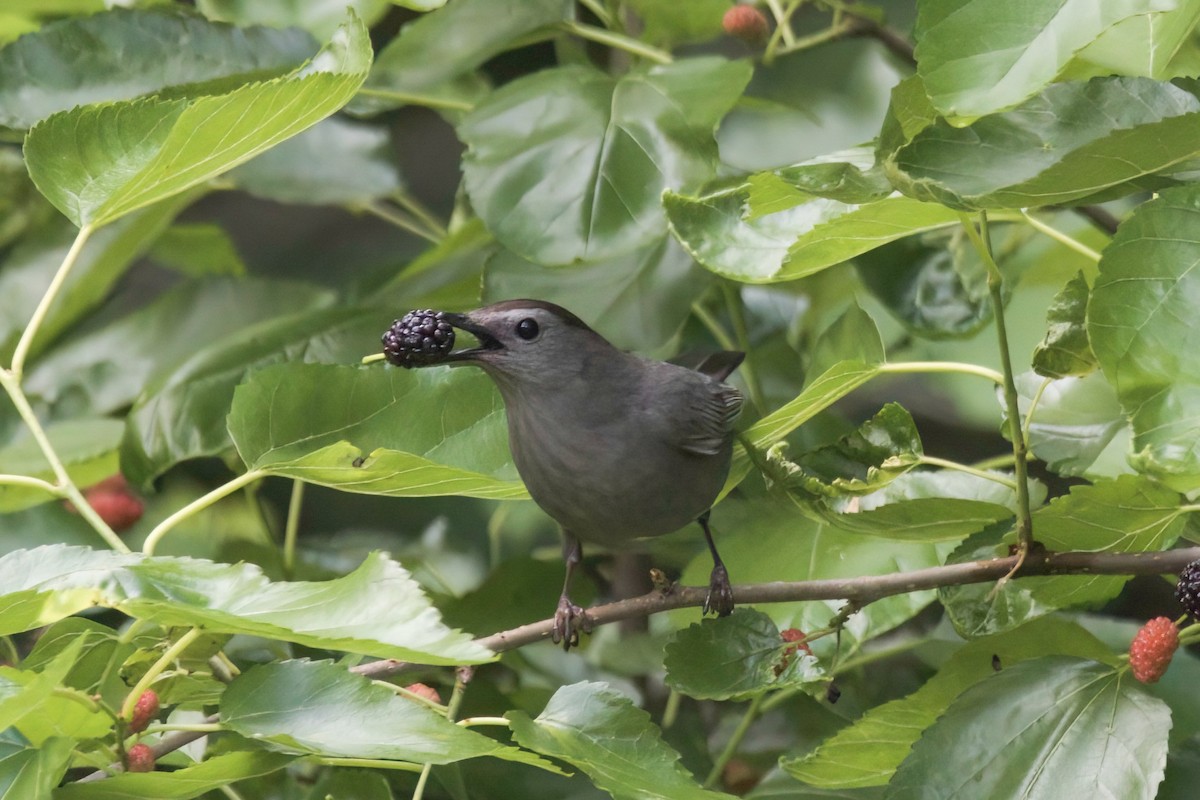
[{"x": 613, "y": 446}]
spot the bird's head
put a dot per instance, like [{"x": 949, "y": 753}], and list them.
[{"x": 527, "y": 342}]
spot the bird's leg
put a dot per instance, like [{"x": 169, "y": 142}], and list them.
[
  {"x": 720, "y": 594},
  {"x": 569, "y": 619}
]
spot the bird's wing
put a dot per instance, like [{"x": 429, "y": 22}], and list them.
[{"x": 699, "y": 413}]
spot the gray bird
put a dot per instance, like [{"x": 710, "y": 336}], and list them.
[{"x": 613, "y": 446}]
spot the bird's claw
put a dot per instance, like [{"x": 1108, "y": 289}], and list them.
[
  {"x": 569, "y": 621},
  {"x": 720, "y": 594}
]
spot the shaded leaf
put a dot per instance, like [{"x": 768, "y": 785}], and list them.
[
  {"x": 1078, "y": 427},
  {"x": 197, "y": 250},
  {"x": 669, "y": 23},
  {"x": 318, "y": 17},
  {"x": 1065, "y": 351},
  {"x": 735, "y": 658},
  {"x": 86, "y": 447},
  {"x": 1148, "y": 45},
  {"x": 447, "y": 275},
  {"x": 598, "y": 730},
  {"x": 867, "y": 752},
  {"x": 1108, "y": 737},
  {"x": 1140, "y": 324},
  {"x": 319, "y": 708},
  {"x": 97, "y": 163},
  {"x": 334, "y": 614},
  {"x": 27, "y": 772},
  {"x": 376, "y": 430},
  {"x": 569, "y": 164},
  {"x": 181, "y": 784},
  {"x": 982, "y": 609},
  {"x": 121, "y": 54}
]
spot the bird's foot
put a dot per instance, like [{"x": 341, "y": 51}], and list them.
[
  {"x": 569, "y": 621},
  {"x": 720, "y": 594}
]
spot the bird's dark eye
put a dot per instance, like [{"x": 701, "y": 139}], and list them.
[{"x": 527, "y": 328}]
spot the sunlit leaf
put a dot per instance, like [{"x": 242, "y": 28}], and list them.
[{"x": 181, "y": 784}]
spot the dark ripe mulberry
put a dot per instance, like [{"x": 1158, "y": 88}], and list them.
[
  {"x": 1188, "y": 589},
  {"x": 418, "y": 339}
]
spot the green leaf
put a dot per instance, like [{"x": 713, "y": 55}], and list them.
[
  {"x": 122, "y": 54},
  {"x": 1072, "y": 141},
  {"x": 447, "y": 275},
  {"x": 378, "y": 609},
  {"x": 433, "y": 50},
  {"x": 1145, "y": 45},
  {"x": 851, "y": 176},
  {"x": 639, "y": 301},
  {"x": 1066, "y": 351},
  {"x": 1078, "y": 427},
  {"x": 867, "y": 752},
  {"x": 197, "y": 250},
  {"x": 320, "y": 708},
  {"x": 181, "y": 784},
  {"x": 1141, "y": 330},
  {"x": 598, "y": 730},
  {"x": 982, "y": 609},
  {"x": 569, "y": 164},
  {"x": 122, "y": 357},
  {"x": 1029, "y": 45},
  {"x": 735, "y": 658},
  {"x": 97, "y": 163},
  {"x": 1126, "y": 515},
  {"x": 28, "y": 772},
  {"x": 1043, "y": 729},
  {"x": 182, "y": 413},
  {"x": 86, "y": 447},
  {"x": 92, "y": 672},
  {"x": 375, "y": 430},
  {"x": 318, "y": 17},
  {"x": 792, "y": 236},
  {"x": 28, "y": 702},
  {"x": 667, "y": 23},
  {"x": 335, "y": 162}
]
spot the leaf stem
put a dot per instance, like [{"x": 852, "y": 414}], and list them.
[
  {"x": 904, "y": 367},
  {"x": 43, "y": 307},
  {"x": 415, "y": 207},
  {"x": 617, "y": 40},
  {"x": 369, "y": 763},
  {"x": 671, "y": 711},
  {"x": 165, "y": 660},
  {"x": 66, "y": 486},
  {"x": 978, "y": 473},
  {"x": 30, "y": 482},
  {"x": 400, "y": 220},
  {"x": 472, "y": 721},
  {"x": 198, "y": 505},
  {"x": 783, "y": 28},
  {"x": 291, "y": 527},
  {"x": 735, "y": 740},
  {"x": 733, "y": 302},
  {"x": 1060, "y": 237},
  {"x": 408, "y": 98},
  {"x": 982, "y": 241},
  {"x": 1033, "y": 404},
  {"x": 599, "y": 10}
]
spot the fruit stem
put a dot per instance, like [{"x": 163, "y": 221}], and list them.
[
  {"x": 982, "y": 241},
  {"x": 617, "y": 40},
  {"x": 43, "y": 308},
  {"x": 196, "y": 506},
  {"x": 735, "y": 741},
  {"x": 165, "y": 660}
]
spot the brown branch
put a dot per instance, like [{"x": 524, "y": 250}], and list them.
[{"x": 857, "y": 591}]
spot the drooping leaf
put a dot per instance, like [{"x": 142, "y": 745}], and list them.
[
  {"x": 1065, "y": 351},
  {"x": 569, "y": 164},
  {"x": 867, "y": 752},
  {"x": 1041, "y": 729},
  {"x": 122, "y": 53},
  {"x": 97, "y": 163},
  {"x": 1148, "y": 45},
  {"x": 1078, "y": 427},
  {"x": 181, "y": 784},
  {"x": 29, "y": 702},
  {"x": 376, "y": 430},
  {"x": 792, "y": 235},
  {"x": 735, "y": 658},
  {"x": 638, "y": 301},
  {"x": 594, "y": 728},
  {"x": 86, "y": 447},
  {"x": 1139, "y": 323},
  {"x": 320, "y": 708},
  {"x": 27, "y": 771},
  {"x": 335, "y": 162},
  {"x": 1072, "y": 141},
  {"x": 1029, "y": 45},
  {"x": 378, "y": 609}
]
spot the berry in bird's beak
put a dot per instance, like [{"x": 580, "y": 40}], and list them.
[{"x": 418, "y": 339}]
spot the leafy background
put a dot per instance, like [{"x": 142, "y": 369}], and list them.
[{"x": 947, "y": 233}]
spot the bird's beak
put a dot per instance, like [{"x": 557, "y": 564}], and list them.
[{"x": 487, "y": 342}]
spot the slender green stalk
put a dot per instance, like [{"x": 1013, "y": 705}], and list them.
[
  {"x": 9, "y": 652},
  {"x": 196, "y": 506},
  {"x": 43, "y": 307},
  {"x": 733, "y": 301},
  {"x": 419, "y": 792},
  {"x": 714, "y": 327},
  {"x": 470, "y": 722},
  {"x": 995, "y": 462},
  {"x": 67, "y": 487},
  {"x": 1033, "y": 404},
  {"x": 400, "y": 220},
  {"x": 962, "y": 368},
  {"x": 415, "y": 207},
  {"x": 417, "y": 99},
  {"x": 982, "y": 241},
  {"x": 368, "y": 763},
  {"x": 1060, "y": 237},
  {"x": 165, "y": 660},
  {"x": 371, "y": 359},
  {"x": 31, "y": 483},
  {"x": 978, "y": 473},
  {"x": 812, "y": 40},
  {"x": 599, "y": 10},
  {"x": 735, "y": 741},
  {"x": 230, "y": 792},
  {"x": 782, "y": 21},
  {"x": 618, "y": 40},
  {"x": 198, "y": 727},
  {"x": 291, "y": 527},
  {"x": 671, "y": 712}
]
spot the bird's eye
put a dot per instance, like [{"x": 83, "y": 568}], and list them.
[{"x": 527, "y": 328}]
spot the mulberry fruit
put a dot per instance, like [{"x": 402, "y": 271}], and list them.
[
  {"x": 1152, "y": 647},
  {"x": 418, "y": 339}
]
